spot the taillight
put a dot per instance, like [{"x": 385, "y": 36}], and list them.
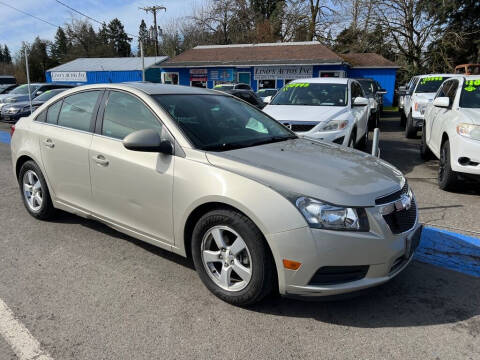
[{"x": 12, "y": 130}]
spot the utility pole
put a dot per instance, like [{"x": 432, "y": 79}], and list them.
[{"x": 153, "y": 10}]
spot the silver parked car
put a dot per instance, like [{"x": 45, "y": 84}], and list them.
[{"x": 206, "y": 175}]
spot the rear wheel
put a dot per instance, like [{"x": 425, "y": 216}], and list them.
[
  {"x": 410, "y": 129},
  {"x": 425, "y": 152},
  {"x": 403, "y": 119},
  {"x": 232, "y": 257},
  {"x": 34, "y": 190},
  {"x": 447, "y": 178}
]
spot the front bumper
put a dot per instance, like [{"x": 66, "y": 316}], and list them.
[
  {"x": 464, "y": 148},
  {"x": 383, "y": 253}
]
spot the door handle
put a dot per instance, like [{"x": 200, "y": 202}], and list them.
[
  {"x": 48, "y": 143},
  {"x": 100, "y": 160}
]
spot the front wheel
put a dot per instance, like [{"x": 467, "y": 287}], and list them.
[
  {"x": 447, "y": 178},
  {"x": 232, "y": 257},
  {"x": 425, "y": 152},
  {"x": 410, "y": 129},
  {"x": 34, "y": 190}
]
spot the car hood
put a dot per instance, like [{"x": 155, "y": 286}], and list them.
[
  {"x": 424, "y": 97},
  {"x": 21, "y": 104},
  {"x": 304, "y": 113},
  {"x": 472, "y": 114},
  {"x": 17, "y": 98},
  {"x": 328, "y": 172}
]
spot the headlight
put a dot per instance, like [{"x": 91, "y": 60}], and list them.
[
  {"x": 13, "y": 110},
  {"x": 421, "y": 107},
  {"x": 334, "y": 125},
  {"x": 326, "y": 216},
  {"x": 469, "y": 130}
]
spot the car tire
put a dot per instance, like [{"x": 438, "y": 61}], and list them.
[
  {"x": 351, "y": 140},
  {"x": 403, "y": 119},
  {"x": 34, "y": 191},
  {"x": 447, "y": 178},
  {"x": 372, "y": 120},
  {"x": 239, "y": 278},
  {"x": 425, "y": 152},
  {"x": 410, "y": 129},
  {"x": 363, "y": 144}
]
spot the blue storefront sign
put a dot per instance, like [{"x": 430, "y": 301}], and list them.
[{"x": 221, "y": 75}]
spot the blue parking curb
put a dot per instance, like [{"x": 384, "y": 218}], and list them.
[
  {"x": 4, "y": 137},
  {"x": 449, "y": 250}
]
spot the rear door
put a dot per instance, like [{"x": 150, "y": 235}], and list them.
[
  {"x": 65, "y": 141},
  {"x": 131, "y": 189}
]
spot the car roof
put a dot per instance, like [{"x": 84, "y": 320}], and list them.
[
  {"x": 472, "y": 77},
  {"x": 331, "y": 80},
  {"x": 443, "y": 75},
  {"x": 152, "y": 88}
]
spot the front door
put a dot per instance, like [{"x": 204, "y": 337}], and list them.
[
  {"x": 131, "y": 189},
  {"x": 65, "y": 141},
  {"x": 244, "y": 78}
]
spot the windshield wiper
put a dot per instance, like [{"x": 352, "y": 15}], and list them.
[{"x": 244, "y": 144}]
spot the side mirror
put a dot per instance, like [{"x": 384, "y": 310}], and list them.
[
  {"x": 267, "y": 99},
  {"x": 147, "y": 140},
  {"x": 360, "y": 101},
  {"x": 39, "y": 92},
  {"x": 443, "y": 102},
  {"x": 381, "y": 91}
]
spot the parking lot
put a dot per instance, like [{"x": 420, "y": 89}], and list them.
[{"x": 86, "y": 291}]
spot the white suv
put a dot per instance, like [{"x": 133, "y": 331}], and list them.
[
  {"x": 452, "y": 130},
  {"x": 330, "y": 109},
  {"x": 419, "y": 94}
]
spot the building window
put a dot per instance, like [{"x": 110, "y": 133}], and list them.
[
  {"x": 170, "y": 78},
  {"x": 267, "y": 84},
  {"x": 243, "y": 77},
  {"x": 335, "y": 74}
]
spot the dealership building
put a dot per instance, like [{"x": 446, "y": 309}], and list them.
[
  {"x": 272, "y": 65},
  {"x": 106, "y": 70}
]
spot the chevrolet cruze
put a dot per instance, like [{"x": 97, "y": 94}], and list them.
[{"x": 206, "y": 175}]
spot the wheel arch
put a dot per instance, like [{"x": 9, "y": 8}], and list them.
[
  {"x": 444, "y": 138},
  {"x": 20, "y": 161}
]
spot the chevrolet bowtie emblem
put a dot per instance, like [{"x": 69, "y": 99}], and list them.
[{"x": 404, "y": 203}]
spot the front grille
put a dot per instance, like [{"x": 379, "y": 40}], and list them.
[
  {"x": 392, "y": 197},
  {"x": 332, "y": 275},
  {"x": 403, "y": 220},
  {"x": 301, "y": 127}
]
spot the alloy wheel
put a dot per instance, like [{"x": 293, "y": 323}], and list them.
[
  {"x": 226, "y": 258},
  {"x": 32, "y": 190}
]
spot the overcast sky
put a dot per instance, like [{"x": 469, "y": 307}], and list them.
[{"x": 16, "y": 27}]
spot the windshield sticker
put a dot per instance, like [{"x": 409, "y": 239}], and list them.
[
  {"x": 295, "y": 85},
  {"x": 470, "y": 85},
  {"x": 431, "y": 78}
]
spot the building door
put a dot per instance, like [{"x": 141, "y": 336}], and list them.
[{"x": 243, "y": 78}]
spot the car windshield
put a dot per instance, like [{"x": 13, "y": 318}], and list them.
[
  {"x": 368, "y": 86},
  {"x": 267, "y": 92},
  {"x": 220, "y": 123},
  {"x": 48, "y": 94},
  {"x": 312, "y": 94},
  {"x": 470, "y": 96},
  {"x": 430, "y": 84},
  {"x": 23, "y": 89}
]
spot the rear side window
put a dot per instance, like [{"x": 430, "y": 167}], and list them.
[
  {"x": 125, "y": 114},
  {"x": 52, "y": 113},
  {"x": 77, "y": 110}
]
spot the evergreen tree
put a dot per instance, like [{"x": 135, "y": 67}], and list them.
[
  {"x": 118, "y": 38},
  {"x": 1, "y": 55},
  {"x": 7, "y": 58},
  {"x": 60, "y": 46},
  {"x": 143, "y": 37}
]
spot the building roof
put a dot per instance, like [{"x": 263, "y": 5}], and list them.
[
  {"x": 109, "y": 64},
  {"x": 295, "y": 53},
  {"x": 368, "y": 60}
]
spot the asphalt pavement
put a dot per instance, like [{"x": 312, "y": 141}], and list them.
[{"x": 85, "y": 291}]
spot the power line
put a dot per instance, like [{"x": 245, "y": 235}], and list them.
[
  {"x": 79, "y": 12},
  {"x": 33, "y": 16},
  {"x": 88, "y": 17},
  {"x": 153, "y": 10}
]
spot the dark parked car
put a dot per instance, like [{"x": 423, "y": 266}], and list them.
[
  {"x": 7, "y": 80},
  {"x": 13, "y": 112},
  {"x": 248, "y": 96},
  {"x": 263, "y": 93},
  {"x": 6, "y": 88},
  {"x": 20, "y": 93},
  {"x": 232, "y": 86},
  {"x": 374, "y": 93}
]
